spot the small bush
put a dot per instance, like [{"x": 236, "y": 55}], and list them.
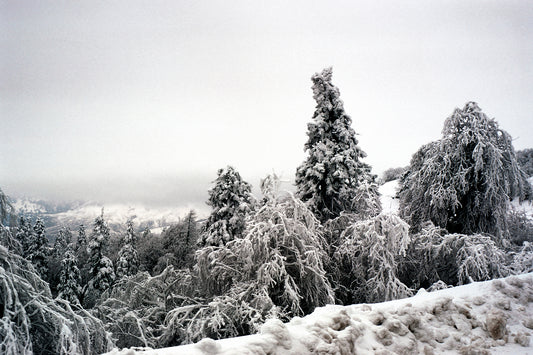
[{"x": 392, "y": 174}]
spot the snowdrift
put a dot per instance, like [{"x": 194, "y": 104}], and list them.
[{"x": 479, "y": 318}]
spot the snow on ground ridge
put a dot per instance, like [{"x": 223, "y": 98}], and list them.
[{"x": 479, "y": 318}]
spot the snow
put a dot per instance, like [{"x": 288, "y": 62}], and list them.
[
  {"x": 525, "y": 206},
  {"x": 389, "y": 202},
  {"x": 491, "y": 317},
  {"x": 28, "y": 206}
]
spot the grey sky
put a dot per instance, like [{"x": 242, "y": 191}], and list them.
[{"x": 144, "y": 101}]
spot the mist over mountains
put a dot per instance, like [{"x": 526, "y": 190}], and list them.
[{"x": 73, "y": 213}]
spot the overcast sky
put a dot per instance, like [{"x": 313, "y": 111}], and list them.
[{"x": 142, "y": 101}]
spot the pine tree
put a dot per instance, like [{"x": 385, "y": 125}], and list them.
[
  {"x": 38, "y": 249},
  {"x": 69, "y": 278},
  {"x": 231, "y": 200},
  {"x": 101, "y": 272},
  {"x": 463, "y": 182},
  {"x": 63, "y": 240},
  {"x": 24, "y": 236},
  {"x": 329, "y": 180},
  {"x": 182, "y": 240},
  {"x": 128, "y": 260},
  {"x": 81, "y": 242}
]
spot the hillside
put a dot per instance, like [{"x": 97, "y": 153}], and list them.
[{"x": 72, "y": 214}]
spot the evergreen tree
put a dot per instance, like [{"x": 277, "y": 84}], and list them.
[
  {"x": 82, "y": 255},
  {"x": 128, "y": 261},
  {"x": 81, "y": 242},
  {"x": 525, "y": 159},
  {"x": 181, "y": 240},
  {"x": 329, "y": 180},
  {"x": 101, "y": 268},
  {"x": 463, "y": 182},
  {"x": 69, "y": 278},
  {"x": 231, "y": 200},
  {"x": 32, "y": 322},
  {"x": 274, "y": 270},
  {"x": 24, "y": 236},
  {"x": 38, "y": 249},
  {"x": 63, "y": 240}
]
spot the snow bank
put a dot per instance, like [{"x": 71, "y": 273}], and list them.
[{"x": 479, "y": 318}]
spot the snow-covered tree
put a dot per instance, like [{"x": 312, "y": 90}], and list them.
[
  {"x": 454, "y": 259},
  {"x": 135, "y": 310},
  {"x": 63, "y": 240},
  {"x": 181, "y": 240},
  {"x": 523, "y": 259},
  {"x": 525, "y": 159},
  {"x": 81, "y": 241},
  {"x": 7, "y": 215},
  {"x": 102, "y": 273},
  {"x": 24, "y": 236},
  {"x": 33, "y": 323},
  {"x": 69, "y": 278},
  {"x": 38, "y": 249},
  {"x": 370, "y": 254},
  {"x": 6, "y": 220},
  {"x": 328, "y": 181},
  {"x": 463, "y": 182},
  {"x": 231, "y": 200},
  {"x": 128, "y": 260},
  {"x": 281, "y": 253}
]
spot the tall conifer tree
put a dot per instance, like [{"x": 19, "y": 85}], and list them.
[
  {"x": 102, "y": 273},
  {"x": 231, "y": 200},
  {"x": 38, "y": 249},
  {"x": 333, "y": 177},
  {"x": 128, "y": 260}
]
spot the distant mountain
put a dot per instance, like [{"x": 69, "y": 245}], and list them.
[{"x": 72, "y": 214}]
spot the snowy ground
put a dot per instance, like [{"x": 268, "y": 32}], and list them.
[
  {"x": 492, "y": 317},
  {"x": 389, "y": 201}
]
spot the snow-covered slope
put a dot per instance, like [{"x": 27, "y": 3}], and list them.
[
  {"x": 526, "y": 206},
  {"x": 492, "y": 317},
  {"x": 389, "y": 201}
]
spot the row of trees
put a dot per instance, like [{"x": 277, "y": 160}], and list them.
[{"x": 286, "y": 254}]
